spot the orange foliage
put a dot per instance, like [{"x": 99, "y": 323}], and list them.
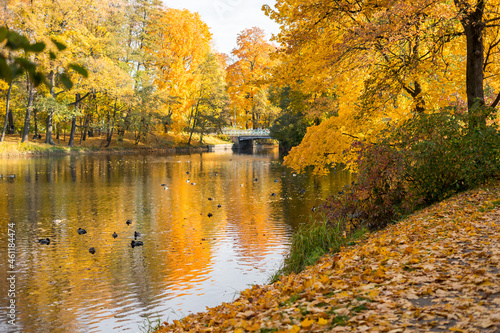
[
  {"x": 184, "y": 41},
  {"x": 246, "y": 78}
]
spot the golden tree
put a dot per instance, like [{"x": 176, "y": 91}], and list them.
[
  {"x": 183, "y": 43},
  {"x": 384, "y": 61},
  {"x": 247, "y": 77}
]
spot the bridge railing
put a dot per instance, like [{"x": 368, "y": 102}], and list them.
[{"x": 246, "y": 132}]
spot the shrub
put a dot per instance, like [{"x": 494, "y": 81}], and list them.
[
  {"x": 380, "y": 194},
  {"x": 444, "y": 156},
  {"x": 427, "y": 159},
  {"x": 289, "y": 129}
]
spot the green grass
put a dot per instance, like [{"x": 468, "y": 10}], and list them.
[
  {"x": 311, "y": 242},
  {"x": 340, "y": 320},
  {"x": 489, "y": 206},
  {"x": 359, "y": 308},
  {"x": 150, "y": 326}
]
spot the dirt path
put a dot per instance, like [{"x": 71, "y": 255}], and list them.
[{"x": 438, "y": 270}]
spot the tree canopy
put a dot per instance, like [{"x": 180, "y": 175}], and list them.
[{"x": 383, "y": 62}]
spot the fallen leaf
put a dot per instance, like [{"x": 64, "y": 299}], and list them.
[
  {"x": 322, "y": 321},
  {"x": 307, "y": 322}
]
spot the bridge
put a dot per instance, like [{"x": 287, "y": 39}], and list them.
[{"x": 244, "y": 137}]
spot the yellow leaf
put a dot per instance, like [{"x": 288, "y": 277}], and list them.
[
  {"x": 251, "y": 326},
  {"x": 307, "y": 322},
  {"x": 322, "y": 321},
  {"x": 294, "y": 329},
  {"x": 238, "y": 330}
]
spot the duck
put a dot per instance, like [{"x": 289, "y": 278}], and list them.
[
  {"x": 255, "y": 179},
  {"x": 210, "y": 199},
  {"x": 210, "y": 215},
  {"x": 92, "y": 250},
  {"x": 81, "y": 231},
  {"x": 187, "y": 172},
  {"x": 114, "y": 235},
  {"x": 129, "y": 222},
  {"x": 273, "y": 194},
  {"x": 137, "y": 234},
  {"x": 219, "y": 206},
  {"x": 45, "y": 241},
  {"x": 276, "y": 180},
  {"x": 135, "y": 243}
]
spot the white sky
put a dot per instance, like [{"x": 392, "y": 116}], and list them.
[{"x": 227, "y": 18}]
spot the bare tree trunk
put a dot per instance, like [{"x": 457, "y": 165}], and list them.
[
  {"x": 108, "y": 129},
  {"x": 11, "y": 128},
  {"x": 35, "y": 117},
  {"x": 192, "y": 130},
  {"x": 73, "y": 122},
  {"x": 202, "y": 132},
  {"x": 7, "y": 111},
  {"x": 474, "y": 25},
  {"x": 110, "y": 134},
  {"x": 86, "y": 124},
  {"x": 27, "y": 118},
  {"x": 50, "y": 117},
  {"x": 195, "y": 121}
]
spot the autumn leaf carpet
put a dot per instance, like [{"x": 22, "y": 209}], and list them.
[{"x": 436, "y": 271}]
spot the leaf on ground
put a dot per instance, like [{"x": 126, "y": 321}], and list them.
[{"x": 440, "y": 265}]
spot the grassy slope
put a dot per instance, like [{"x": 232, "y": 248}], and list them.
[
  {"x": 12, "y": 145},
  {"x": 439, "y": 270}
]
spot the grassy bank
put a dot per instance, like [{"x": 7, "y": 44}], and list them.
[
  {"x": 12, "y": 145},
  {"x": 311, "y": 242},
  {"x": 436, "y": 270}
]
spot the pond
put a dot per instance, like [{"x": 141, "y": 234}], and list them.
[{"x": 211, "y": 224}]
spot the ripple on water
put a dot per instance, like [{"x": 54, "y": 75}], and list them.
[{"x": 189, "y": 261}]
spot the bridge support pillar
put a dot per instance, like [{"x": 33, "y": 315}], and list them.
[
  {"x": 236, "y": 141},
  {"x": 245, "y": 144}
]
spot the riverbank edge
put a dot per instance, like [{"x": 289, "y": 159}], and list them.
[
  {"x": 353, "y": 290},
  {"x": 63, "y": 151}
]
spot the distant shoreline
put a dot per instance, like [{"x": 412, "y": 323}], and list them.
[
  {"x": 60, "y": 151},
  {"x": 13, "y": 148}
]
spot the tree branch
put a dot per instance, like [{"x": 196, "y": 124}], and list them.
[
  {"x": 81, "y": 99},
  {"x": 349, "y": 135},
  {"x": 497, "y": 100}
]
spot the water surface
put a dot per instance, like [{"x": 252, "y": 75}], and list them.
[{"x": 189, "y": 260}]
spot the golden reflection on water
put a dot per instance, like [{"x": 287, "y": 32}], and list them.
[{"x": 189, "y": 260}]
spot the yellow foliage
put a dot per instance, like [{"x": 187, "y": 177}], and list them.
[
  {"x": 184, "y": 41},
  {"x": 382, "y": 62},
  {"x": 3, "y": 85},
  {"x": 246, "y": 78}
]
